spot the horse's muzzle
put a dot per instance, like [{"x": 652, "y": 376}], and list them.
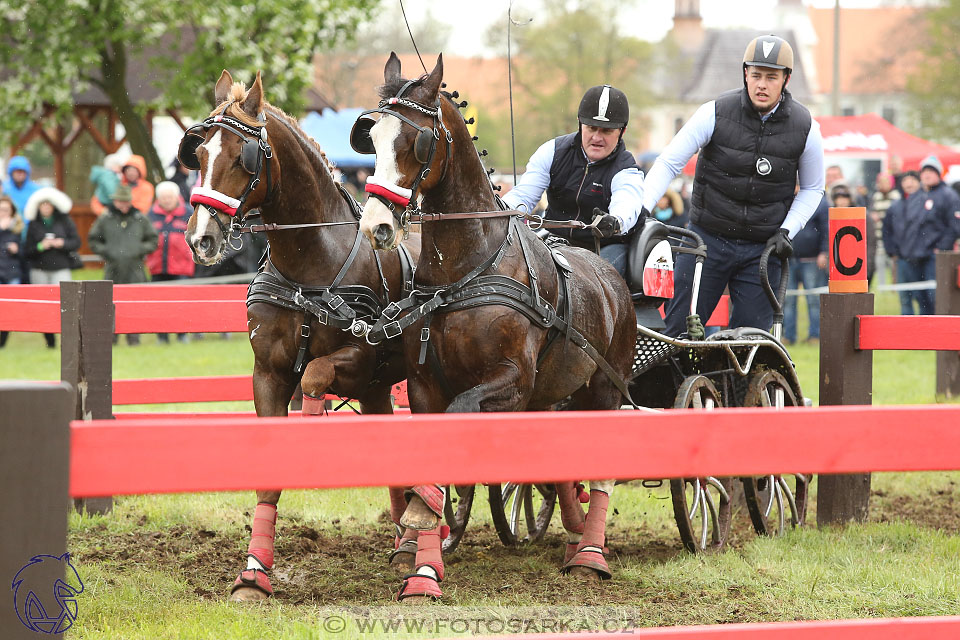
[{"x": 384, "y": 237}]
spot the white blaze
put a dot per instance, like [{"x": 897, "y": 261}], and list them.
[
  {"x": 213, "y": 148},
  {"x": 384, "y": 134}
]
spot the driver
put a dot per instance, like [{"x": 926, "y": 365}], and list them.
[
  {"x": 755, "y": 144},
  {"x": 587, "y": 174}
]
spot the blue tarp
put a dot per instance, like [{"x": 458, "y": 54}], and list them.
[{"x": 332, "y": 131}]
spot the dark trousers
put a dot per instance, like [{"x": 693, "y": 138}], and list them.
[
  {"x": 730, "y": 262},
  {"x": 615, "y": 253},
  {"x": 917, "y": 270}
]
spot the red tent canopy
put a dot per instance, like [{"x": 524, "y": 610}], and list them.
[{"x": 871, "y": 136}]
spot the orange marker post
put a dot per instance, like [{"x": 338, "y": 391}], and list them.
[{"x": 848, "y": 250}]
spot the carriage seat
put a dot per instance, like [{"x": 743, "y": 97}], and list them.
[{"x": 650, "y": 272}]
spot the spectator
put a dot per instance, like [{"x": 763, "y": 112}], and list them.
[
  {"x": 51, "y": 237},
  {"x": 122, "y": 236},
  {"x": 916, "y": 228},
  {"x": 172, "y": 260},
  {"x": 134, "y": 172},
  {"x": 808, "y": 267},
  {"x": 105, "y": 180},
  {"x": 669, "y": 209},
  {"x": 11, "y": 235},
  {"x": 885, "y": 195},
  {"x": 19, "y": 186},
  {"x": 184, "y": 178}
]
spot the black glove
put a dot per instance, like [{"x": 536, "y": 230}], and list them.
[
  {"x": 604, "y": 224},
  {"x": 780, "y": 241}
]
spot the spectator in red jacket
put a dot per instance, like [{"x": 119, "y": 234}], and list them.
[{"x": 172, "y": 259}]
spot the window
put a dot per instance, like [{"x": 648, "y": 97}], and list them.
[
  {"x": 889, "y": 114},
  {"x": 848, "y": 111}
]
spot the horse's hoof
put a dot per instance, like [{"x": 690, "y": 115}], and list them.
[
  {"x": 248, "y": 594},
  {"x": 418, "y": 516},
  {"x": 403, "y": 561},
  {"x": 584, "y": 573}
]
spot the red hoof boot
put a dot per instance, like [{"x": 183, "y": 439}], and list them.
[
  {"x": 590, "y": 557},
  {"x": 314, "y": 406},
  {"x": 404, "y": 556},
  {"x": 253, "y": 579},
  {"x": 416, "y": 585}
]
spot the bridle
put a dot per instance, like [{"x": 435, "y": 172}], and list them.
[
  {"x": 255, "y": 149},
  {"x": 401, "y": 201}
]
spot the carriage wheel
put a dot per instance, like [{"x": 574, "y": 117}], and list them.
[
  {"x": 775, "y": 502},
  {"x": 521, "y": 512},
  {"x": 457, "y": 516},
  {"x": 701, "y": 505}
]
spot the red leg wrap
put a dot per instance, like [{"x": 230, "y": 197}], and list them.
[
  {"x": 428, "y": 551},
  {"x": 264, "y": 531},
  {"x": 313, "y": 406},
  {"x": 571, "y": 513},
  {"x": 255, "y": 579},
  {"x": 432, "y": 496},
  {"x": 398, "y": 504},
  {"x": 596, "y": 524},
  {"x": 414, "y": 585},
  {"x": 590, "y": 550}
]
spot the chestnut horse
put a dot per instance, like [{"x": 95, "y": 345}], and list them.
[
  {"x": 495, "y": 308},
  {"x": 309, "y": 306}
]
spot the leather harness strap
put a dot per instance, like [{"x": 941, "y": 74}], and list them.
[{"x": 474, "y": 290}]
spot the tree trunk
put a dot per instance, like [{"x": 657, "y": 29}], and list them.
[{"x": 114, "y": 71}]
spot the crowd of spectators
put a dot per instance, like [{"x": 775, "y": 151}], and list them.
[{"x": 139, "y": 231}]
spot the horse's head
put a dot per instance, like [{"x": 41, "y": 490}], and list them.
[
  {"x": 412, "y": 143},
  {"x": 236, "y": 165}
]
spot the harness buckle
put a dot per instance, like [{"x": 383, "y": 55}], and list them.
[
  {"x": 304, "y": 330},
  {"x": 537, "y": 221},
  {"x": 335, "y": 302},
  {"x": 425, "y": 334},
  {"x": 392, "y": 330}
]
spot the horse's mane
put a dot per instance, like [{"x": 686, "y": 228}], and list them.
[{"x": 239, "y": 91}]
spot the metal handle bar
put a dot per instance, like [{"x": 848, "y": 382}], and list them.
[
  {"x": 776, "y": 298},
  {"x": 700, "y": 252}
]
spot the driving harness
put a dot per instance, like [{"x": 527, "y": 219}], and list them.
[{"x": 353, "y": 307}]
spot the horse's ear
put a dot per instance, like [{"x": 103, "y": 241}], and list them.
[
  {"x": 253, "y": 102},
  {"x": 433, "y": 81},
  {"x": 391, "y": 71},
  {"x": 222, "y": 91}
]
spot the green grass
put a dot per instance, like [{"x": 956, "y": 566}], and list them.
[{"x": 160, "y": 566}]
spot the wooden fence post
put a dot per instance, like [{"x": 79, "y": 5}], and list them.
[
  {"x": 86, "y": 356},
  {"x": 948, "y": 304},
  {"x": 35, "y": 476},
  {"x": 846, "y": 377}
]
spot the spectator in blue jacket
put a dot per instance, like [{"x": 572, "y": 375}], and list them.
[
  {"x": 808, "y": 267},
  {"x": 918, "y": 227},
  {"x": 18, "y": 184}
]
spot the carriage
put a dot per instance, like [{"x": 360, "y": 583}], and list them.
[{"x": 745, "y": 367}]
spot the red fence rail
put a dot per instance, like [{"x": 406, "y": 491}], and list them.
[
  {"x": 924, "y": 333},
  {"x": 173, "y": 455}
]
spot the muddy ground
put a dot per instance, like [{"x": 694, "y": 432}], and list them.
[{"x": 330, "y": 566}]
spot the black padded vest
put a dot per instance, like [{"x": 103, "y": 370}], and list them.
[
  {"x": 577, "y": 187},
  {"x": 747, "y": 173}
]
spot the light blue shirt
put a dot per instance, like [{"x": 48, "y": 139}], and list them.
[
  {"x": 626, "y": 188},
  {"x": 695, "y": 135}
]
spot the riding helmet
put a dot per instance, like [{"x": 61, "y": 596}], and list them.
[
  {"x": 604, "y": 106},
  {"x": 769, "y": 51}
]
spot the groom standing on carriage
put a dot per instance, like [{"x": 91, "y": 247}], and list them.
[
  {"x": 588, "y": 175},
  {"x": 756, "y": 145}
]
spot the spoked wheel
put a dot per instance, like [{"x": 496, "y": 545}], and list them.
[
  {"x": 521, "y": 512},
  {"x": 701, "y": 505},
  {"x": 456, "y": 511},
  {"x": 775, "y": 502}
]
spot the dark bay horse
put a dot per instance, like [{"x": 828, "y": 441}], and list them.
[
  {"x": 308, "y": 308},
  {"x": 491, "y": 339}
]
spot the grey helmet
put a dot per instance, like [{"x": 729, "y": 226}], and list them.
[{"x": 604, "y": 106}]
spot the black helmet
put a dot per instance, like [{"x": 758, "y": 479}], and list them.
[
  {"x": 769, "y": 51},
  {"x": 604, "y": 106}
]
